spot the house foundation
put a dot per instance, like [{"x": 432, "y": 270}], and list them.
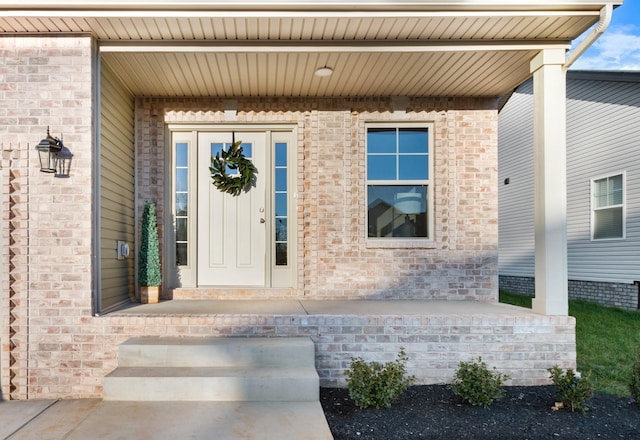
[
  {"x": 436, "y": 335},
  {"x": 623, "y": 295}
]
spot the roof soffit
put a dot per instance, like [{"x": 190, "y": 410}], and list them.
[
  {"x": 486, "y": 44},
  {"x": 293, "y": 20}
]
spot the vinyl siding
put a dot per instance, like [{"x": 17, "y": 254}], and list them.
[
  {"x": 116, "y": 189},
  {"x": 515, "y": 201},
  {"x": 603, "y": 121}
]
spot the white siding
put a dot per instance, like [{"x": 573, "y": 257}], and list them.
[
  {"x": 116, "y": 189},
  {"x": 603, "y": 122},
  {"x": 515, "y": 200}
]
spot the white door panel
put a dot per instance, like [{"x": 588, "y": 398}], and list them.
[{"x": 231, "y": 229}]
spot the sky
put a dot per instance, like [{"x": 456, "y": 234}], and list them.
[{"x": 619, "y": 47}]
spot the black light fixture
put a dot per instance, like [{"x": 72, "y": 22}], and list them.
[
  {"x": 64, "y": 161},
  {"x": 48, "y": 150}
]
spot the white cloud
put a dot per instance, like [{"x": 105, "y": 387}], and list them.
[{"x": 617, "y": 49}]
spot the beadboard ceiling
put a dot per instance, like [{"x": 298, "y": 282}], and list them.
[{"x": 259, "y": 48}]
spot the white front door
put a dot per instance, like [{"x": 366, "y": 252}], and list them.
[{"x": 231, "y": 229}]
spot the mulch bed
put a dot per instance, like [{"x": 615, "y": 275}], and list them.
[{"x": 434, "y": 412}]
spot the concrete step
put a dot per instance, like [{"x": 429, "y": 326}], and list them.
[
  {"x": 214, "y": 369},
  {"x": 221, "y": 384},
  {"x": 216, "y": 352}
]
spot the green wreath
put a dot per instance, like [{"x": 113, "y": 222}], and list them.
[{"x": 234, "y": 160}]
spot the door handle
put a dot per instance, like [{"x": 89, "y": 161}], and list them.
[{"x": 262, "y": 220}]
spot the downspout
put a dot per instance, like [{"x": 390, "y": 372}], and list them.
[{"x": 605, "y": 18}]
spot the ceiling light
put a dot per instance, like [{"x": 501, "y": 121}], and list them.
[{"x": 324, "y": 71}]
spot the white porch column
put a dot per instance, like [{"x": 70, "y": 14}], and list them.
[{"x": 549, "y": 91}]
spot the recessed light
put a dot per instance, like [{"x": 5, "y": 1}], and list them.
[{"x": 324, "y": 71}]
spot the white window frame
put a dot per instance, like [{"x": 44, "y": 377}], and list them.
[
  {"x": 403, "y": 242},
  {"x": 623, "y": 205}
]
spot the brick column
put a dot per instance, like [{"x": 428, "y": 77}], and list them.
[
  {"x": 18, "y": 292},
  {"x": 46, "y": 225},
  {"x": 15, "y": 248},
  {"x": 4, "y": 276}
]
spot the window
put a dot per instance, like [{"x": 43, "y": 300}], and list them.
[
  {"x": 398, "y": 186},
  {"x": 181, "y": 200},
  {"x": 281, "y": 202},
  {"x": 607, "y": 215}
]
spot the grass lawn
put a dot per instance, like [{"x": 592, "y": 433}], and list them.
[{"x": 607, "y": 341}]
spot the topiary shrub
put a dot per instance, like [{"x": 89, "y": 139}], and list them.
[
  {"x": 634, "y": 381},
  {"x": 149, "y": 256},
  {"x": 376, "y": 385},
  {"x": 574, "y": 390},
  {"x": 477, "y": 384}
]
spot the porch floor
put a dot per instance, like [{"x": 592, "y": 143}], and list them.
[{"x": 322, "y": 307}]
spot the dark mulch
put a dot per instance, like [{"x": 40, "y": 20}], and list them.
[{"x": 434, "y": 412}]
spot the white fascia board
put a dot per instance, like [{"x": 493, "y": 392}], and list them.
[
  {"x": 310, "y": 4},
  {"x": 70, "y": 13}
]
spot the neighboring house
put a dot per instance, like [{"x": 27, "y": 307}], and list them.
[
  {"x": 603, "y": 188},
  {"x": 378, "y": 181}
]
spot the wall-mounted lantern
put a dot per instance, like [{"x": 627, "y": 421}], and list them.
[
  {"x": 64, "y": 161},
  {"x": 48, "y": 150}
]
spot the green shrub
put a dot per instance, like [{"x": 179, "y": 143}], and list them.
[
  {"x": 149, "y": 257},
  {"x": 634, "y": 381},
  {"x": 573, "y": 389},
  {"x": 477, "y": 384},
  {"x": 377, "y": 385}
]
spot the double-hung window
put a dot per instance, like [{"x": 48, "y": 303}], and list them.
[
  {"x": 608, "y": 211},
  {"x": 399, "y": 200}
]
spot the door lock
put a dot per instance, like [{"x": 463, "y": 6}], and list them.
[{"x": 262, "y": 220}]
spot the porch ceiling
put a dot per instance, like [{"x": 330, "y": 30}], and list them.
[
  {"x": 292, "y": 74},
  {"x": 261, "y": 48}
]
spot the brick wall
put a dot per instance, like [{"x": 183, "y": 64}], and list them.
[
  {"x": 611, "y": 294},
  {"x": 521, "y": 285},
  {"x": 46, "y": 221},
  {"x": 333, "y": 258},
  {"x": 73, "y": 363},
  {"x": 621, "y": 295},
  {"x": 522, "y": 346}
]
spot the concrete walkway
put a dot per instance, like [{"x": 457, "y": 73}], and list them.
[{"x": 83, "y": 419}]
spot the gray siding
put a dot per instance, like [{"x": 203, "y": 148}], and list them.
[
  {"x": 116, "y": 189},
  {"x": 515, "y": 201},
  {"x": 603, "y": 122}
]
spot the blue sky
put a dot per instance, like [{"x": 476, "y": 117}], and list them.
[{"x": 619, "y": 47}]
